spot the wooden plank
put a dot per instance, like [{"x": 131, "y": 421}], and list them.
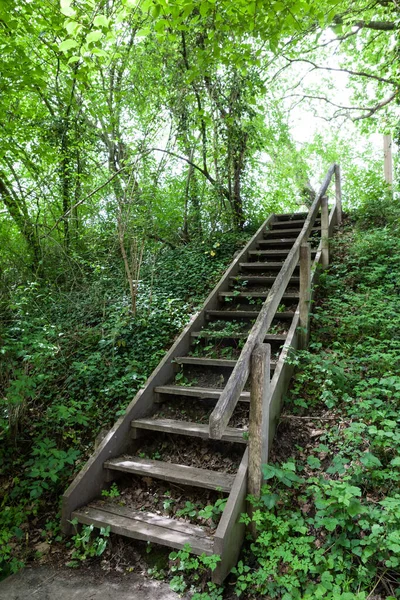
[
  {"x": 287, "y": 296},
  {"x": 261, "y": 279},
  {"x": 305, "y": 293},
  {"x": 387, "y": 158},
  {"x": 277, "y": 233},
  {"x": 188, "y": 428},
  {"x": 229, "y": 536},
  {"x": 140, "y": 526},
  {"x": 283, "y": 252},
  {"x": 182, "y": 474},
  {"x": 338, "y": 194},
  {"x": 261, "y": 266},
  {"x": 290, "y": 223},
  {"x": 247, "y": 314},
  {"x": 206, "y": 362},
  {"x": 236, "y": 336},
  {"x": 276, "y": 242},
  {"x": 195, "y": 391},
  {"x": 91, "y": 479},
  {"x": 280, "y": 380},
  {"x": 325, "y": 232},
  {"x": 228, "y": 399},
  {"x": 209, "y": 362},
  {"x": 259, "y": 416}
]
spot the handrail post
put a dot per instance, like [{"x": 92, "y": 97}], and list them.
[
  {"x": 324, "y": 232},
  {"x": 305, "y": 293},
  {"x": 259, "y": 416},
  {"x": 338, "y": 190}
]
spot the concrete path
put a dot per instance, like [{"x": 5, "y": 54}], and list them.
[{"x": 44, "y": 583}]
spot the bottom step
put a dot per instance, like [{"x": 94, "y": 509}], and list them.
[{"x": 146, "y": 526}]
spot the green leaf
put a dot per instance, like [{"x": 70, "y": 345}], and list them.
[
  {"x": 269, "y": 471},
  {"x": 395, "y": 462},
  {"x": 100, "y": 21},
  {"x": 67, "y": 45},
  {"x": 270, "y": 500},
  {"x": 314, "y": 462},
  {"x": 94, "y": 36},
  {"x": 330, "y": 523},
  {"x": 66, "y": 9},
  {"x": 370, "y": 461}
]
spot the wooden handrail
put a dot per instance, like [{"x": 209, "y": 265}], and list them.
[{"x": 226, "y": 404}]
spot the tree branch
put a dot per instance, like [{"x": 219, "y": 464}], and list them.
[
  {"x": 376, "y": 25},
  {"x": 377, "y": 107},
  {"x": 342, "y": 70}
]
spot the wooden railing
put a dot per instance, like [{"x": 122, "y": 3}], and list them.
[{"x": 222, "y": 412}]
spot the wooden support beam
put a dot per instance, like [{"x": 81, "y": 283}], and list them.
[
  {"x": 338, "y": 192},
  {"x": 259, "y": 417},
  {"x": 388, "y": 161},
  {"x": 325, "y": 231},
  {"x": 305, "y": 293}
]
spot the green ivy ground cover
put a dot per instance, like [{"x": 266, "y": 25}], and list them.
[{"x": 70, "y": 362}]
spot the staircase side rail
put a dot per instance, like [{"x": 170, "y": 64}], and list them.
[
  {"x": 226, "y": 404},
  {"x": 91, "y": 479}
]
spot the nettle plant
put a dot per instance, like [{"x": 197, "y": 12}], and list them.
[{"x": 317, "y": 538}]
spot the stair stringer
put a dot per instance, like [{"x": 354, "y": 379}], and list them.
[{"x": 92, "y": 478}]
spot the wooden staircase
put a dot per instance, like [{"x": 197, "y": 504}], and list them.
[{"x": 196, "y": 370}]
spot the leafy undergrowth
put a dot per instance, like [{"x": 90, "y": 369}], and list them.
[
  {"x": 71, "y": 359},
  {"x": 329, "y": 516}
]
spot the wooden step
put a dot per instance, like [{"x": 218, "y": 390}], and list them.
[
  {"x": 261, "y": 266},
  {"x": 291, "y": 223},
  {"x": 196, "y": 392},
  {"x": 249, "y": 295},
  {"x": 260, "y": 279},
  {"x": 206, "y": 362},
  {"x": 291, "y": 216},
  {"x": 283, "y": 252},
  {"x": 210, "y": 362},
  {"x": 245, "y": 314},
  {"x": 288, "y": 232},
  {"x": 277, "y": 242},
  {"x": 188, "y": 428},
  {"x": 235, "y": 336},
  {"x": 181, "y": 474},
  {"x": 146, "y": 526},
  {"x": 288, "y": 223}
]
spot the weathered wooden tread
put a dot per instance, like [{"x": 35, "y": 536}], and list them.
[
  {"x": 210, "y": 362},
  {"x": 234, "y": 336},
  {"x": 188, "y": 428},
  {"x": 149, "y": 527},
  {"x": 206, "y": 362},
  {"x": 258, "y": 264},
  {"x": 290, "y": 216},
  {"x": 277, "y": 242},
  {"x": 196, "y": 392},
  {"x": 294, "y": 222},
  {"x": 260, "y": 279},
  {"x": 245, "y": 314},
  {"x": 233, "y": 294},
  {"x": 287, "y": 232},
  {"x": 182, "y": 474},
  {"x": 274, "y": 253}
]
